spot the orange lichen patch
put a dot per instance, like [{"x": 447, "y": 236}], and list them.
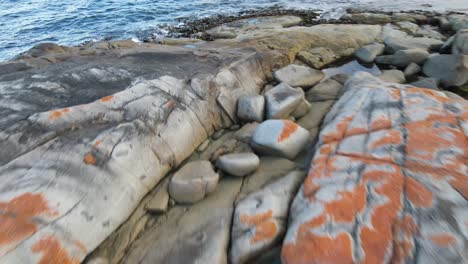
[
  {"x": 58, "y": 113},
  {"x": 311, "y": 248},
  {"x": 381, "y": 123},
  {"x": 107, "y": 98},
  {"x": 264, "y": 231},
  {"x": 89, "y": 159},
  {"x": 288, "y": 129},
  {"x": 395, "y": 93},
  {"x": 256, "y": 219},
  {"x": 434, "y": 94},
  {"x": 443, "y": 240},
  {"x": 17, "y": 216},
  {"x": 96, "y": 144},
  {"x": 417, "y": 193},
  {"x": 81, "y": 247},
  {"x": 52, "y": 252},
  {"x": 321, "y": 166},
  {"x": 339, "y": 131},
  {"x": 391, "y": 137},
  {"x": 349, "y": 204},
  {"x": 403, "y": 234},
  {"x": 461, "y": 185},
  {"x": 170, "y": 104}
]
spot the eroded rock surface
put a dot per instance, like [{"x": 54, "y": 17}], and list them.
[{"x": 388, "y": 182}]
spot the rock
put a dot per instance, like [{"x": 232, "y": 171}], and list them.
[
  {"x": 282, "y": 100},
  {"x": 267, "y": 88},
  {"x": 45, "y": 49},
  {"x": 260, "y": 218},
  {"x": 453, "y": 95},
  {"x": 403, "y": 58},
  {"x": 411, "y": 17},
  {"x": 447, "y": 47},
  {"x": 368, "y": 18},
  {"x": 238, "y": 164},
  {"x": 408, "y": 27},
  {"x": 327, "y": 90},
  {"x": 458, "y": 21},
  {"x": 234, "y": 127},
  {"x": 245, "y": 133},
  {"x": 302, "y": 109},
  {"x": 193, "y": 182},
  {"x": 384, "y": 142},
  {"x": 218, "y": 134},
  {"x": 99, "y": 260},
  {"x": 281, "y": 138},
  {"x": 460, "y": 42},
  {"x": 251, "y": 108},
  {"x": 12, "y": 66},
  {"x": 314, "y": 118},
  {"x": 298, "y": 76},
  {"x": 395, "y": 40},
  {"x": 160, "y": 201},
  {"x": 393, "y": 76},
  {"x": 368, "y": 53},
  {"x": 203, "y": 146},
  {"x": 415, "y": 30},
  {"x": 412, "y": 69},
  {"x": 451, "y": 70},
  {"x": 317, "y": 57},
  {"x": 429, "y": 83},
  {"x": 340, "y": 78}
]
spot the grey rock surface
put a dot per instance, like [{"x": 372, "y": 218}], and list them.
[
  {"x": 403, "y": 58},
  {"x": 251, "y": 108},
  {"x": 451, "y": 70},
  {"x": 429, "y": 83},
  {"x": 302, "y": 109},
  {"x": 298, "y": 76},
  {"x": 412, "y": 69},
  {"x": 395, "y": 40},
  {"x": 238, "y": 164},
  {"x": 326, "y": 90},
  {"x": 460, "y": 42},
  {"x": 317, "y": 58},
  {"x": 369, "y": 52},
  {"x": 393, "y": 76},
  {"x": 282, "y": 100}
]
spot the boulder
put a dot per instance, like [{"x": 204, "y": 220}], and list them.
[
  {"x": 282, "y": 138},
  {"x": 159, "y": 202},
  {"x": 428, "y": 83},
  {"x": 193, "y": 182},
  {"x": 415, "y": 30},
  {"x": 298, "y": 76},
  {"x": 395, "y": 40},
  {"x": 368, "y": 53},
  {"x": 453, "y": 95},
  {"x": 260, "y": 218},
  {"x": 302, "y": 109},
  {"x": 451, "y": 70},
  {"x": 458, "y": 21},
  {"x": 412, "y": 69},
  {"x": 393, "y": 76},
  {"x": 282, "y": 100},
  {"x": 326, "y": 90},
  {"x": 403, "y": 58},
  {"x": 387, "y": 182},
  {"x": 317, "y": 57},
  {"x": 238, "y": 164},
  {"x": 447, "y": 47},
  {"x": 460, "y": 42},
  {"x": 341, "y": 78},
  {"x": 251, "y": 108}
]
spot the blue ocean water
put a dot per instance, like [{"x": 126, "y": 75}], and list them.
[{"x": 25, "y": 23}]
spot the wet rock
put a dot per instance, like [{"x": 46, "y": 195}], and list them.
[
  {"x": 429, "y": 83},
  {"x": 193, "y": 182},
  {"x": 251, "y": 108},
  {"x": 260, "y": 218},
  {"x": 100, "y": 260},
  {"x": 403, "y": 58},
  {"x": 160, "y": 201},
  {"x": 282, "y": 100},
  {"x": 326, "y": 90},
  {"x": 451, "y": 70},
  {"x": 238, "y": 164},
  {"x": 317, "y": 57},
  {"x": 460, "y": 42},
  {"x": 298, "y": 76},
  {"x": 412, "y": 69},
  {"x": 302, "y": 109},
  {"x": 393, "y": 76},
  {"x": 367, "y": 154},
  {"x": 368, "y": 53},
  {"x": 281, "y": 138}
]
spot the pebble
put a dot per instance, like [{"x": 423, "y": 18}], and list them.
[{"x": 238, "y": 164}]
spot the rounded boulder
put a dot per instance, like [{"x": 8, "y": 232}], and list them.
[{"x": 238, "y": 164}]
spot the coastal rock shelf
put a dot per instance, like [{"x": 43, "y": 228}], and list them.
[{"x": 98, "y": 145}]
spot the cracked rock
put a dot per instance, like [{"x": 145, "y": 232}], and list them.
[
  {"x": 193, "y": 182},
  {"x": 238, "y": 164},
  {"x": 298, "y": 76}
]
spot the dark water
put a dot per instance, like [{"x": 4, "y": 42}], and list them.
[{"x": 24, "y": 23}]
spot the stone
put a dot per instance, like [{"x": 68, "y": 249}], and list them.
[
  {"x": 244, "y": 134},
  {"x": 395, "y": 40},
  {"x": 429, "y": 83},
  {"x": 403, "y": 58},
  {"x": 460, "y": 42},
  {"x": 251, "y": 108},
  {"x": 457, "y": 21},
  {"x": 45, "y": 49},
  {"x": 393, "y": 76},
  {"x": 447, "y": 47},
  {"x": 298, "y": 76},
  {"x": 302, "y": 109},
  {"x": 160, "y": 201},
  {"x": 99, "y": 260},
  {"x": 384, "y": 142},
  {"x": 317, "y": 57},
  {"x": 314, "y": 118},
  {"x": 203, "y": 146},
  {"x": 282, "y": 100},
  {"x": 326, "y": 90},
  {"x": 415, "y": 30},
  {"x": 281, "y": 138},
  {"x": 260, "y": 218},
  {"x": 218, "y": 134},
  {"x": 368, "y": 18},
  {"x": 193, "y": 182},
  {"x": 368, "y": 53},
  {"x": 453, "y": 95},
  {"x": 412, "y": 69},
  {"x": 411, "y": 17},
  {"x": 238, "y": 164},
  {"x": 451, "y": 70},
  {"x": 340, "y": 78}
]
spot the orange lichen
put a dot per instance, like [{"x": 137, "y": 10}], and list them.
[
  {"x": 349, "y": 204},
  {"x": 339, "y": 131},
  {"x": 53, "y": 252},
  {"x": 170, "y": 104},
  {"x": 403, "y": 245},
  {"x": 107, "y": 98},
  {"x": 265, "y": 228},
  {"x": 391, "y": 137},
  {"x": 96, "y": 144},
  {"x": 89, "y": 159},
  {"x": 381, "y": 123},
  {"x": 417, "y": 193},
  {"x": 288, "y": 129},
  {"x": 443, "y": 240},
  {"x": 58, "y": 113},
  {"x": 17, "y": 216}
]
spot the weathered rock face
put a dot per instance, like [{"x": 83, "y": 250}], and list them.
[
  {"x": 282, "y": 100},
  {"x": 368, "y": 53},
  {"x": 387, "y": 182},
  {"x": 298, "y": 76},
  {"x": 449, "y": 69}
]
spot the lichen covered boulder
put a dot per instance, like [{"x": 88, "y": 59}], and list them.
[{"x": 388, "y": 182}]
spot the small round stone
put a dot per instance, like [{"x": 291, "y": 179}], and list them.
[{"x": 238, "y": 164}]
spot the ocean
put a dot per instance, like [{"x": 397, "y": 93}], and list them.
[{"x": 25, "y": 23}]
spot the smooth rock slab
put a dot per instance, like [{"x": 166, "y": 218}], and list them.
[
  {"x": 298, "y": 76},
  {"x": 251, "y": 108},
  {"x": 260, "y": 218},
  {"x": 282, "y": 138},
  {"x": 238, "y": 164},
  {"x": 193, "y": 182},
  {"x": 451, "y": 70},
  {"x": 368, "y": 53},
  {"x": 388, "y": 181},
  {"x": 282, "y": 100}
]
